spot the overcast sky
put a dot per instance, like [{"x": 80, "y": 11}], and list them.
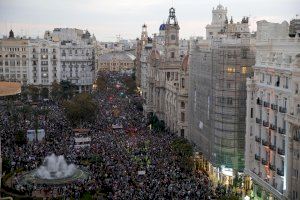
[{"x": 108, "y": 18}]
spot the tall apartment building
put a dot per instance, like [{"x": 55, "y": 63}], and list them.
[
  {"x": 219, "y": 66},
  {"x": 14, "y": 59},
  {"x": 164, "y": 87},
  {"x": 76, "y": 56},
  {"x": 44, "y": 62},
  {"x": 272, "y": 137}
]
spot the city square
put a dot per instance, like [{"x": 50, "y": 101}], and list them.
[{"x": 149, "y": 100}]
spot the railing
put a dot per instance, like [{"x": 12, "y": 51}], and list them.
[
  {"x": 265, "y": 143},
  {"x": 282, "y": 109},
  {"x": 272, "y": 147},
  {"x": 274, "y": 107},
  {"x": 281, "y": 131},
  {"x": 272, "y": 167},
  {"x": 273, "y": 126},
  {"x": 265, "y": 123},
  {"x": 280, "y": 172},
  {"x": 258, "y": 120},
  {"x": 266, "y": 104},
  {"x": 257, "y": 157},
  {"x": 264, "y": 162},
  {"x": 257, "y": 139},
  {"x": 280, "y": 151}
]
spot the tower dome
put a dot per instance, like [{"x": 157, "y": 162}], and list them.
[{"x": 162, "y": 27}]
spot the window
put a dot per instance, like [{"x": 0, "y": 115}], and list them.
[
  {"x": 182, "y": 133},
  {"x": 244, "y": 70},
  {"x": 182, "y": 117},
  {"x": 173, "y": 37},
  {"x": 251, "y": 114},
  {"x": 244, "y": 53},
  {"x": 182, "y": 104},
  {"x": 229, "y": 101},
  {"x": 172, "y": 55},
  {"x": 228, "y": 85},
  {"x": 182, "y": 83}
]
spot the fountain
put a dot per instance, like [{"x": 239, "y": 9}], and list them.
[
  {"x": 53, "y": 171},
  {"x": 55, "y": 167}
]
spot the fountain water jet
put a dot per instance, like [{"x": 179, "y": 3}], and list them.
[{"x": 55, "y": 167}]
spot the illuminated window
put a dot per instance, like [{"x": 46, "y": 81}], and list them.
[
  {"x": 244, "y": 70},
  {"x": 230, "y": 69}
]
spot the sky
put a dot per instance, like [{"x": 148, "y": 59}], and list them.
[{"x": 109, "y": 18}]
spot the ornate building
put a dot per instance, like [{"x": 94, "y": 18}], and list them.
[
  {"x": 166, "y": 82},
  {"x": 14, "y": 59},
  {"x": 116, "y": 61},
  {"x": 272, "y": 136}
]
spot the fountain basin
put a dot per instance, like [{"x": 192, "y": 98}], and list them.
[{"x": 30, "y": 178}]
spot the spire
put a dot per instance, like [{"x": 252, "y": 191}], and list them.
[
  {"x": 226, "y": 20},
  {"x": 172, "y": 17}
]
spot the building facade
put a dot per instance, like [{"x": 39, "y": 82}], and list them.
[
  {"x": 116, "y": 62},
  {"x": 219, "y": 66},
  {"x": 164, "y": 77},
  {"x": 44, "y": 62},
  {"x": 14, "y": 59},
  {"x": 272, "y": 147},
  {"x": 77, "y": 56}
]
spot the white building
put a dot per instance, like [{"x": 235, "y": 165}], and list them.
[
  {"x": 44, "y": 62},
  {"x": 77, "y": 56},
  {"x": 272, "y": 143}
]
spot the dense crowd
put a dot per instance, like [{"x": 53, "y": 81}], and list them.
[{"x": 132, "y": 162}]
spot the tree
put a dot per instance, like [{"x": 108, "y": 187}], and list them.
[
  {"x": 130, "y": 84},
  {"x": 25, "y": 110},
  {"x": 101, "y": 83},
  {"x": 67, "y": 89},
  {"x": 80, "y": 108},
  {"x": 56, "y": 91},
  {"x": 184, "y": 151},
  {"x": 34, "y": 92},
  {"x": 20, "y": 137},
  {"x": 45, "y": 93}
]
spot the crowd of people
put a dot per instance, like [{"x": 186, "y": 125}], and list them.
[{"x": 128, "y": 162}]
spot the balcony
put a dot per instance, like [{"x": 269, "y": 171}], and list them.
[
  {"x": 280, "y": 172},
  {"x": 258, "y": 120},
  {"x": 272, "y": 167},
  {"x": 272, "y": 147},
  {"x": 282, "y": 109},
  {"x": 264, "y": 162},
  {"x": 273, "y": 127},
  {"x": 281, "y": 131},
  {"x": 280, "y": 151},
  {"x": 259, "y": 102},
  {"x": 257, "y": 139},
  {"x": 266, "y": 104},
  {"x": 265, "y": 143},
  {"x": 257, "y": 157},
  {"x": 274, "y": 107},
  {"x": 265, "y": 123}
]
